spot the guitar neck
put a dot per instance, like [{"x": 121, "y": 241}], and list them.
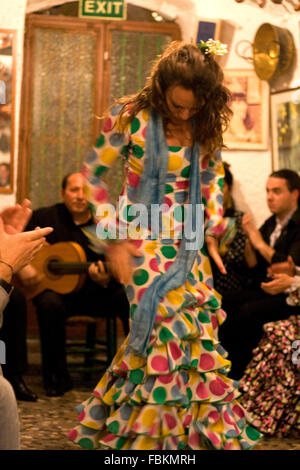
[{"x": 61, "y": 267}]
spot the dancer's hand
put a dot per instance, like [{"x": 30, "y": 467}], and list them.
[
  {"x": 119, "y": 257},
  {"x": 213, "y": 250}
]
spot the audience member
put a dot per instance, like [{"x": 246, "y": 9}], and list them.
[
  {"x": 234, "y": 246},
  {"x": 16, "y": 250},
  {"x": 271, "y": 381},
  {"x": 68, "y": 218},
  {"x": 249, "y": 309}
]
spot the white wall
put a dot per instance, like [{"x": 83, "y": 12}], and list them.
[{"x": 250, "y": 168}]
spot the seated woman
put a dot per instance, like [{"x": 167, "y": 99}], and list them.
[
  {"x": 271, "y": 381},
  {"x": 234, "y": 245}
]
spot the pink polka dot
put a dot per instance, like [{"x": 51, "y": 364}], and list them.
[
  {"x": 160, "y": 363},
  {"x": 168, "y": 320},
  {"x": 217, "y": 388},
  {"x": 206, "y": 362},
  {"x": 81, "y": 416},
  {"x": 228, "y": 446},
  {"x": 182, "y": 184},
  {"x": 109, "y": 437},
  {"x": 72, "y": 434},
  {"x": 153, "y": 265},
  {"x": 100, "y": 195},
  {"x": 214, "y": 322},
  {"x": 194, "y": 439},
  {"x": 165, "y": 379},
  {"x": 170, "y": 420},
  {"x": 141, "y": 293},
  {"x": 214, "y": 438},
  {"x": 158, "y": 319},
  {"x": 238, "y": 411},
  {"x": 214, "y": 416},
  {"x": 206, "y": 192},
  {"x": 167, "y": 265},
  {"x": 187, "y": 420},
  {"x": 136, "y": 243},
  {"x": 201, "y": 391},
  {"x": 136, "y": 426},
  {"x": 227, "y": 418},
  {"x": 107, "y": 125},
  {"x": 144, "y": 132},
  {"x": 97, "y": 394},
  {"x": 229, "y": 398},
  {"x": 133, "y": 179},
  {"x": 175, "y": 350},
  {"x": 167, "y": 201}
]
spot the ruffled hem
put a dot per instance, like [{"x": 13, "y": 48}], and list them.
[{"x": 178, "y": 397}]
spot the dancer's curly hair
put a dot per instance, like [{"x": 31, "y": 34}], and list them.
[{"x": 186, "y": 65}]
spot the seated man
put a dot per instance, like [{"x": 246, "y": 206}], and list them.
[
  {"x": 67, "y": 219},
  {"x": 278, "y": 238}
]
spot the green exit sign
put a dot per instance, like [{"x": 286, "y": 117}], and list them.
[{"x": 105, "y": 10}]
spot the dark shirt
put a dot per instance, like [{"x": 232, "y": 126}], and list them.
[
  {"x": 65, "y": 230},
  {"x": 287, "y": 244}
]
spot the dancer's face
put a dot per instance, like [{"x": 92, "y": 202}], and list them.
[{"x": 182, "y": 103}]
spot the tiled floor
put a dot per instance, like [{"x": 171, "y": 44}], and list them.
[{"x": 45, "y": 423}]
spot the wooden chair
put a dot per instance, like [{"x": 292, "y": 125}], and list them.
[{"x": 96, "y": 352}]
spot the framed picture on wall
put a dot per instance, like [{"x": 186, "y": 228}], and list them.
[
  {"x": 208, "y": 29},
  {"x": 248, "y": 127},
  {"x": 285, "y": 120}
]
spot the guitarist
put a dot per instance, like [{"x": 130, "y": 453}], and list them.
[{"x": 67, "y": 218}]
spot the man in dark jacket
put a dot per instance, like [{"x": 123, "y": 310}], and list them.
[
  {"x": 279, "y": 237},
  {"x": 68, "y": 218}
]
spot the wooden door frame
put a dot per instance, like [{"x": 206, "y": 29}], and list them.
[{"x": 102, "y": 30}]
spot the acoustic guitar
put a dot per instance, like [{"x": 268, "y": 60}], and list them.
[{"x": 62, "y": 267}]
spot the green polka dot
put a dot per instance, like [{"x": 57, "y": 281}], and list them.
[
  {"x": 203, "y": 317},
  {"x": 140, "y": 277},
  {"x": 204, "y": 250},
  {"x": 189, "y": 393},
  {"x": 137, "y": 151},
  {"x": 86, "y": 443},
  {"x": 136, "y": 376},
  {"x": 165, "y": 335},
  {"x": 189, "y": 317},
  {"x": 120, "y": 442},
  {"x": 185, "y": 173},
  {"x": 127, "y": 217},
  {"x": 252, "y": 433},
  {"x": 200, "y": 276},
  {"x": 204, "y": 201},
  {"x": 213, "y": 303},
  {"x": 211, "y": 163},
  {"x": 208, "y": 345},
  {"x": 168, "y": 252},
  {"x": 220, "y": 183},
  {"x": 135, "y": 125},
  {"x": 116, "y": 395},
  {"x": 168, "y": 189},
  {"x": 99, "y": 170},
  {"x": 181, "y": 446},
  {"x": 114, "y": 427},
  {"x": 174, "y": 149},
  {"x": 132, "y": 309},
  {"x": 120, "y": 384},
  {"x": 100, "y": 141},
  {"x": 194, "y": 363},
  {"x": 159, "y": 395},
  {"x": 179, "y": 214}
]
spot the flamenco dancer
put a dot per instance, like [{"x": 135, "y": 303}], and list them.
[{"x": 167, "y": 387}]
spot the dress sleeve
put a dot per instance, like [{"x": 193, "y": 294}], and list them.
[
  {"x": 111, "y": 144},
  {"x": 212, "y": 175}
]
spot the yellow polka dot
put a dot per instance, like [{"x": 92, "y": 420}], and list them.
[
  {"x": 162, "y": 310},
  {"x": 217, "y": 427},
  {"x": 174, "y": 298},
  {"x": 146, "y": 443},
  {"x": 206, "y": 266},
  {"x": 138, "y": 141},
  {"x": 135, "y": 166},
  {"x": 193, "y": 378},
  {"x": 136, "y": 361},
  {"x": 145, "y": 114},
  {"x": 202, "y": 411},
  {"x": 92, "y": 425},
  {"x": 175, "y": 162},
  {"x": 195, "y": 350},
  {"x": 108, "y": 397},
  {"x": 148, "y": 416},
  {"x": 150, "y": 247},
  {"x": 108, "y": 156}
]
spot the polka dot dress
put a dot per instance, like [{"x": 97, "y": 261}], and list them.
[{"x": 179, "y": 396}]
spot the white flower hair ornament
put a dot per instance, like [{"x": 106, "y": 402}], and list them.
[{"x": 212, "y": 47}]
